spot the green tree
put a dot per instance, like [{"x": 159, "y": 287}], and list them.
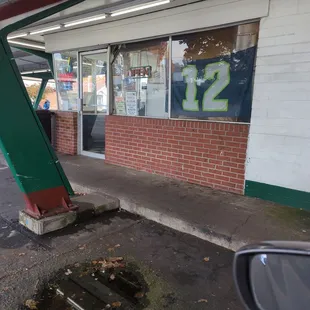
[{"x": 33, "y": 91}]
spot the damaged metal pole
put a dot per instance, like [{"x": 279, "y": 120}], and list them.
[{"x": 23, "y": 141}]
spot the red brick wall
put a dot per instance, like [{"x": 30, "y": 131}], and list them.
[
  {"x": 205, "y": 153},
  {"x": 66, "y": 132}
]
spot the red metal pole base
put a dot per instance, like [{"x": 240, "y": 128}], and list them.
[{"x": 48, "y": 202}]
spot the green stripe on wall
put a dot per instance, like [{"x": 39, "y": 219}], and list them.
[{"x": 282, "y": 195}]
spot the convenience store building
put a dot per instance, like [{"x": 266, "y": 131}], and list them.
[{"x": 211, "y": 92}]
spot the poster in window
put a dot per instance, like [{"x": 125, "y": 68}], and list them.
[
  {"x": 215, "y": 87},
  {"x": 131, "y": 104},
  {"x": 120, "y": 106}
]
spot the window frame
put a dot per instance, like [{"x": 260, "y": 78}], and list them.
[{"x": 170, "y": 36}]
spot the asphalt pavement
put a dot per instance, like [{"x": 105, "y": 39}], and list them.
[{"x": 182, "y": 272}]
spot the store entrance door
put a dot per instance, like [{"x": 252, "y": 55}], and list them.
[{"x": 94, "y": 102}]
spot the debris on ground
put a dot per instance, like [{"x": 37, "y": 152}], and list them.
[
  {"x": 116, "y": 304},
  {"x": 202, "y": 300},
  {"x": 206, "y": 259},
  {"x": 36, "y": 285},
  {"x": 113, "y": 262},
  {"x": 139, "y": 295},
  {"x": 124, "y": 280},
  {"x": 115, "y": 259},
  {"x": 31, "y": 304}
]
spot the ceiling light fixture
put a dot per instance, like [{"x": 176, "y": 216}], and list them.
[
  {"x": 140, "y": 7},
  {"x": 26, "y": 44},
  {"x": 45, "y": 30},
  {"x": 17, "y": 36},
  {"x": 84, "y": 21},
  {"x": 36, "y": 71}
]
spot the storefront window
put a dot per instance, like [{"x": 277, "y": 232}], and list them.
[
  {"x": 212, "y": 74},
  {"x": 141, "y": 79},
  {"x": 65, "y": 65}
]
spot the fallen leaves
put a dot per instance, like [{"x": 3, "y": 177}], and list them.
[
  {"x": 112, "y": 262},
  {"x": 116, "y": 304},
  {"x": 206, "y": 259},
  {"x": 139, "y": 295},
  {"x": 115, "y": 259},
  {"x": 31, "y": 304},
  {"x": 113, "y": 248}
]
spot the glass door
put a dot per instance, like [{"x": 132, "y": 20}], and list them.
[{"x": 94, "y": 102}]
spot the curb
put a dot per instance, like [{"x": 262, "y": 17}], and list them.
[
  {"x": 177, "y": 224},
  {"x": 3, "y": 161}
]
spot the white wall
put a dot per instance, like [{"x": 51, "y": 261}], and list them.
[
  {"x": 279, "y": 145},
  {"x": 204, "y": 14}
]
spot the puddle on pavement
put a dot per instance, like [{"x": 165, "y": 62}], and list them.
[{"x": 108, "y": 283}]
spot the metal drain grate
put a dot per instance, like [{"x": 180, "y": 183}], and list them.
[{"x": 103, "y": 284}]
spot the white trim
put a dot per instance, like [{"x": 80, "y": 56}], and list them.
[
  {"x": 94, "y": 52},
  {"x": 79, "y": 105},
  {"x": 80, "y": 98},
  {"x": 208, "y": 121},
  {"x": 170, "y": 77},
  {"x": 56, "y": 84},
  {"x": 109, "y": 80},
  {"x": 93, "y": 155}
]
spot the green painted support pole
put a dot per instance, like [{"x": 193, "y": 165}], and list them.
[
  {"x": 23, "y": 141},
  {"x": 40, "y": 94}
]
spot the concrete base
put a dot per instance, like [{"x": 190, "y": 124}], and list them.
[
  {"x": 48, "y": 224},
  {"x": 95, "y": 203},
  {"x": 88, "y": 206}
]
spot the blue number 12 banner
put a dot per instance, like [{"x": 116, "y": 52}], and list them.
[{"x": 217, "y": 87}]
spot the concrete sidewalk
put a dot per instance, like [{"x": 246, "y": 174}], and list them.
[{"x": 225, "y": 219}]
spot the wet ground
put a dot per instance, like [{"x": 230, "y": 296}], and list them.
[{"x": 166, "y": 269}]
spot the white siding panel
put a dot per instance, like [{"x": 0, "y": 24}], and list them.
[
  {"x": 279, "y": 143},
  {"x": 211, "y": 13}
]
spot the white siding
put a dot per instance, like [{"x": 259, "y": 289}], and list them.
[
  {"x": 279, "y": 144},
  {"x": 205, "y": 14}
]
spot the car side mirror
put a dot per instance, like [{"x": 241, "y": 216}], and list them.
[{"x": 274, "y": 276}]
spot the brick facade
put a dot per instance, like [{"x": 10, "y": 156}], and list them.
[
  {"x": 66, "y": 132},
  {"x": 205, "y": 153}
]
